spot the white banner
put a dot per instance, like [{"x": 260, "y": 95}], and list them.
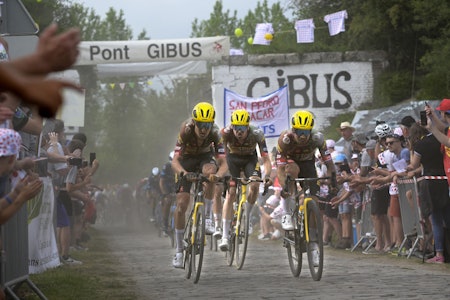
[
  {"x": 42, "y": 248},
  {"x": 112, "y": 52},
  {"x": 270, "y": 112}
]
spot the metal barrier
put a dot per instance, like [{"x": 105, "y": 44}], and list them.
[
  {"x": 366, "y": 227},
  {"x": 410, "y": 212}
]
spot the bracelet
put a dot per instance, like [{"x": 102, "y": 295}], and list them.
[{"x": 9, "y": 199}]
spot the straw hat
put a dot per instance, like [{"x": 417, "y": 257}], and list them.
[{"x": 345, "y": 125}]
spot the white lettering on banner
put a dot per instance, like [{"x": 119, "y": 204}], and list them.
[
  {"x": 111, "y": 52},
  {"x": 323, "y": 88},
  {"x": 270, "y": 112}
]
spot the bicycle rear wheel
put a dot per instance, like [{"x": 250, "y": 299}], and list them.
[
  {"x": 293, "y": 242},
  {"x": 315, "y": 245},
  {"x": 198, "y": 244},
  {"x": 241, "y": 239}
]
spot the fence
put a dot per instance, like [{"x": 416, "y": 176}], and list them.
[{"x": 366, "y": 227}]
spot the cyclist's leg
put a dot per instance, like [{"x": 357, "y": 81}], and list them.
[
  {"x": 217, "y": 209},
  {"x": 165, "y": 209},
  {"x": 253, "y": 170}
]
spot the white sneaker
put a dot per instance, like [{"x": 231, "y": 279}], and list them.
[
  {"x": 286, "y": 222},
  {"x": 177, "y": 261},
  {"x": 315, "y": 254},
  {"x": 217, "y": 233},
  {"x": 276, "y": 234},
  {"x": 70, "y": 261},
  {"x": 209, "y": 226},
  {"x": 224, "y": 245}
]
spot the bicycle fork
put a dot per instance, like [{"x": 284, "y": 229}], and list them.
[{"x": 239, "y": 208}]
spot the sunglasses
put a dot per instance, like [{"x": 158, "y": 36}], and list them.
[
  {"x": 391, "y": 142},
  {"x": 240, "y": 127},
  {"x": 204, "y": 125},
  {"x": 300, "y": 132}
]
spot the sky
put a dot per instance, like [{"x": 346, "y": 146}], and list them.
[{"x": 168, "y": 19}]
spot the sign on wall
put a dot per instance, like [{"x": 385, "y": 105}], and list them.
[{"x": 270, "y": 112}]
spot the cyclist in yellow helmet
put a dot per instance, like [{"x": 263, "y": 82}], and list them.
[
  {"x": 296, "y": 154},
  {"x": 240, "y": 140},
  {"x": 199, "y": 148}
]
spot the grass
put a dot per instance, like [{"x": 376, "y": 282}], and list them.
[{"x": 99, "y": 276}]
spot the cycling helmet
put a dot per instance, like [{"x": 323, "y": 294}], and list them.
[
  {"x": 383, "y": 130},
  {"x": 303, "y": 119},
  {"x": 203, "y": 112},
  {"x": 240, "y": 117},
  {"x": 171, "y": 154},
  {"x": 155, "y": 171}
]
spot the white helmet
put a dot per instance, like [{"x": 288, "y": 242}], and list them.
[
  {"x": 171, "y": 154},
  {"x": 155, "y": 171},
  {"x": 383, "y": 130}
]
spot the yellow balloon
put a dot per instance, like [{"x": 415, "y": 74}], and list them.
[
  {"x": 268, "y": 36},
  {"x": 250, "y": 41},
  {"x": 238, "y": 32}
]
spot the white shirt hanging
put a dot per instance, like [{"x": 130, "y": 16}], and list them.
[
  {"x": 305, "y": 31},
  {"x": 336, "y": 22}
]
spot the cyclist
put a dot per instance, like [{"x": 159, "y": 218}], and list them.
[
  {"x": 153, "y": 191},
  {"x": 167, "y": 187},
  {"x": 199, "y": 147},
  {"x": 241, "y": 140},
  {"x": 296, "y": 155}
]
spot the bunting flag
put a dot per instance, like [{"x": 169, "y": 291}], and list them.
[
  {"x": 305, "y": 31},
  {"x": 336, "y": 22},
  {"x": 261, "y": 32},
  {"x": 122, "y": 85},
  {"x": 112, "y": 85}
]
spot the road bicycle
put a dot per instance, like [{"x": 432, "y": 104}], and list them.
[
  {"x": 171, "y": 219},
  {"x": 194, "y": 231},
  {"x": 240, "y": 225},
  {"x": 307, "y": 233}
]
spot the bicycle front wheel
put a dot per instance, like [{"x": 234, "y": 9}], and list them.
[
  {"x": 188, "y": 248},
  {"x": 241, "y": 239},
  {"x": 293, "y": 242},
  {"x": 315, "y": 245},
  {"x": 198, "y": 245}
]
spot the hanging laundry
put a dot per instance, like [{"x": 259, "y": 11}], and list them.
[
  {"x": 260, "y": 33},
  {"x": 305, "y": 31},
  {"x": 336, "y": 22}
]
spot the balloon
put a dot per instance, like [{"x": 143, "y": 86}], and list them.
[
  {"x": 238, "y": 32},
  {"x": 268, "y": 36},
  {"x": 250, "y": 41}
]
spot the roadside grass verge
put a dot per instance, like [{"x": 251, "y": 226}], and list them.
[{"x": 99, "y": 276}]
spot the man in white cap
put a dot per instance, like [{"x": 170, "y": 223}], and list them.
[{"x": 345, "y": 141}]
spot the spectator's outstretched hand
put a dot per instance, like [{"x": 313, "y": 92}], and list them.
[
  {"x": 27, "y": 188},
  {"x": 57, "y": 52}
]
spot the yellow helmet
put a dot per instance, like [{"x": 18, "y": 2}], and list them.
[
  {"x": 240, "y": 117},
  {"x": 303, "y": 119},
  {"x": 203, "y": 112}
]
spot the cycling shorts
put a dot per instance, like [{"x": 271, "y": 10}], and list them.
[{"x": 194, "y": 163}]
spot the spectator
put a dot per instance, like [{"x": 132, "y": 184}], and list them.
[
  {"x": 267, "y": 229},
  {"x": 345, "y": 142}
]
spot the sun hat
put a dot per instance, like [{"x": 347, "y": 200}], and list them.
[
  {"x": 330, "y": 143},
  {"x": 10, "y": 142},
  {"x": 345, "y": 125}
]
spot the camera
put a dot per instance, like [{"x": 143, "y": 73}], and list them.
[
  {"x": 423, "y": 118},
  {"x": 92, "y": 157},
  {"x": 40, "y": 167},
  {"x": 76, "y": 161}
]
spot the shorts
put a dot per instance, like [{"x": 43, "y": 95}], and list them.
[
  {"x": 64, "y": 198},
  {"x": 247, "y": 163},
  {"x": 345, "y": 207},
  {"x": 308, "y": 170},
  {"x": 394, "y": 207},
  {"x": 331, "y": 212},
  {"x": 193, "y": 163},
  {"x": 62, "y": 219},
  {"x": 380, "y": 201},
  {"x": 77, "y": 207}
]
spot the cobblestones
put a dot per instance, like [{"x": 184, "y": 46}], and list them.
[{"x": 266, "y": 274}]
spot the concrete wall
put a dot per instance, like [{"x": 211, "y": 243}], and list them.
[{"x": 327, "y": 84}]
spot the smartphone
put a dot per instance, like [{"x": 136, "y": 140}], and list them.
[
  {"x": 423, "y": 118},
  {"x": 40, "y": 166},
  {"x": 76, "y": 161},
  {"x": 92, "y": 157}
]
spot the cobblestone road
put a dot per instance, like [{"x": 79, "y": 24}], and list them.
[{"x": 266, "y": 274}]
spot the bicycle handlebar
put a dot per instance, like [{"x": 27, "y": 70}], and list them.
[{"x": 246, "y": 181}]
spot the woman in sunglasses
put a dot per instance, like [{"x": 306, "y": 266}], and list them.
[{"x": 296, "y": 149}]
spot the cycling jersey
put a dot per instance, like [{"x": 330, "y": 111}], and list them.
[
  {"x": 289, "y": 149},
  {"x": 254, "y": 137},
  {"x": 168, "y": 177},
  {"x": 187, "y": 142}
]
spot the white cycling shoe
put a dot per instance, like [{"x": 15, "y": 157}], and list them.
[
  {"x": 286, "y": 222},
  {"x": 177, "y": 261}
]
